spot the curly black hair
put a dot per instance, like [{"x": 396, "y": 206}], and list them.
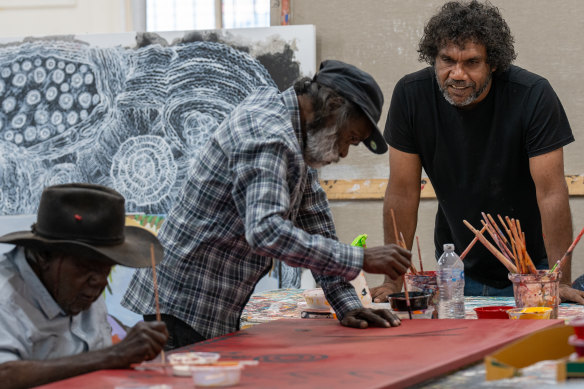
[{"x": 459, "y": 22}]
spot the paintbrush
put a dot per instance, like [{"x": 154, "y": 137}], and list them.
[
  {"x": 498, "y": 241},
  {"x": 525, "y": 263},
  {"x": 472, "y": 243},
  {"x": 394, "y": 226},
  {"x": 497, "y": 235},
  {"x": 403, "y": 276},
  {"x": 558, "y": 265},
  {"x": 407, "y": 297},
  {"x": 403, "y": 244},
  {"x": 511, "y": 240},
  {"x": 162, "y": 357},
  {"x": 419, "y": 254},
  {"x": 508, "y": 264}
]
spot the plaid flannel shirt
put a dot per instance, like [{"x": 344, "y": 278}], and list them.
[{"x": 249, "y": 197}]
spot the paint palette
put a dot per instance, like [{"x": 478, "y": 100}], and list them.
[
  {"x": 221, "y": 375},
  {"x": 183, "y": 362}
]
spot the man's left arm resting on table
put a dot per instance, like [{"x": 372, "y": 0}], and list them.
[
  {"x": 315, "y": 217},
  {"x": 547, "y": 171}
]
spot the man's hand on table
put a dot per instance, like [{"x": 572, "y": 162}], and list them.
[
  {"x": 567, "y": 294},
  {"x": 143, "y": 342},
  {"x": 365, "y": 317}
]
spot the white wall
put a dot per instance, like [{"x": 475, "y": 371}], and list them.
[{"x": 65, "y": 17}]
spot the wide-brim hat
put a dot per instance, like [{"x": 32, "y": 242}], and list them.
[
  {"x": 88, "y": 220},
  {"x": 359, "y": 88}
]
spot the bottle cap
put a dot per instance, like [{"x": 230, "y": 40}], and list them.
[{"x": 448, "y": 247}]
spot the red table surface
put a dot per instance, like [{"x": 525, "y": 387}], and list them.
[{"x": 317, "y": 353}]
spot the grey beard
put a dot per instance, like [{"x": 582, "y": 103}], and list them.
[
  {"x": 471, "y": 99},
  {"x": 321, "y": 147}
]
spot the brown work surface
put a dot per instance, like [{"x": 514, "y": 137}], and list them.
[{"x": 313, "y": 353}]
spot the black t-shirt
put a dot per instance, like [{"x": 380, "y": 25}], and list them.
[{"x": 478, "y": 159}]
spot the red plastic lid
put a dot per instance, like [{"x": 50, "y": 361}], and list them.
[{"x": 494, "y": 308}]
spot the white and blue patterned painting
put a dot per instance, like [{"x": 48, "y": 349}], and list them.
[{"x": 129, "y": 111}]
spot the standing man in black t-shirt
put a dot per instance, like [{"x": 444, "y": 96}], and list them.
[{"x": 489, "y": 135}]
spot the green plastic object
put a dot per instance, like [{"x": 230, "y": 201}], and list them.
[{"x": 360, "y": 241}]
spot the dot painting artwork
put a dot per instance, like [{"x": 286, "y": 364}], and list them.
[{"x": 129, "y": 111}]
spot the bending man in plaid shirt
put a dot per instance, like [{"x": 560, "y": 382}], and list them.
[{"x": 253, "y": 194}]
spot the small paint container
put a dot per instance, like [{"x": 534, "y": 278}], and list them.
[
  {"x": 418, "y": 301},
  {"x": 424, "y": 282},
  {"x": 182, "y": 362},
  {"x": 220, "y": 375},
  {"x": 578, "y": 344},
  {"x": 530, "y": 313},
  {"x": 315, "y": 299},
  {"x": 493, "y": 312},
  {"x": 578, "y": 324}
]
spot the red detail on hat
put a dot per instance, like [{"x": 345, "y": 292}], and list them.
[{"x": 77, "y": 217}]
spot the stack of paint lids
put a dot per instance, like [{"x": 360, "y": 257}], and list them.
[
  {"x": 577, "y": 340},
  {"x": 315, "y": 305}
]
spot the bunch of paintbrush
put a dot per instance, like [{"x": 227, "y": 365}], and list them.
[{"x": 510, "y": 247}]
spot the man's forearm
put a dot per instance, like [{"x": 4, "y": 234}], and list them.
[
  {"x": 557, "y": 229},
  {"x": 405, "y": 212},
  {"x": 24, "y": 374}
]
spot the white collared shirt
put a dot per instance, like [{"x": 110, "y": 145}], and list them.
[{"x": 33, "y": 326}]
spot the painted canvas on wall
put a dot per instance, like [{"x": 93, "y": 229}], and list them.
[{"x": 129, "y": 111}]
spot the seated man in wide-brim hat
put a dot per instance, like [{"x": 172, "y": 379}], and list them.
[{"x": 53, "y": 322}]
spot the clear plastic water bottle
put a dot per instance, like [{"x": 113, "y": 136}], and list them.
[{"x": 450, "y": 277}]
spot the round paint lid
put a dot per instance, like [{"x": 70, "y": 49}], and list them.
[
  {"x": 575, "y": 341},
  {"x": 577, "y": 322}
]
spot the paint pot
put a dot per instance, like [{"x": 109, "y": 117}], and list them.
[
  {"x": 220, "y": 375},
  {"x": 418, "y": 301},
  {"x": 181, "y": 363},
  {"x": 530, "y": 313},
  {"x": 315, "y": 299},
  {"x": 578, "y": 324},
  {"x": 537, "y": 290},
  {"x": 424, "y": 282},
  {"x": 493, "y": 312}
]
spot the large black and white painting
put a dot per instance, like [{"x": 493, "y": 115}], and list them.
[{"x": 129, "y": 111}]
